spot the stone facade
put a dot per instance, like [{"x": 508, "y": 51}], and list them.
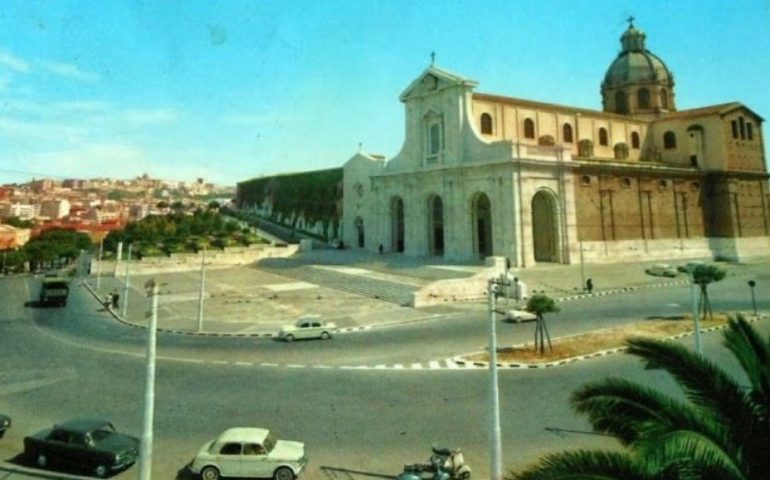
[{"x": 484, "y": 175}]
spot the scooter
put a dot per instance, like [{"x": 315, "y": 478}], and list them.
[{"x": 445, "y": 464}]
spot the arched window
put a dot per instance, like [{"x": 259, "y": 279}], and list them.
[
  {"x": 626, "y": 182},
  {"x": 621, "y": 102},
  {"x": 669, "y": 140},
  {"x": 486, "y": 124},
  {"x": 635, "y": 140},
  {"x": 621, "y": 151},
  {"x": 603, "y": 140},
  {"x": 566, "y": 133},
  {"x": 585, "y": 180},
  {"x": 529, "y": 128},
  {"x": 663, "y": 99},
  {"x": 643, "y": 98},
  {"x": 585, "y": 148}
]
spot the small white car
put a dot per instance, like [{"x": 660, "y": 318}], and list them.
[
  {"x": 249, "y": 453},
  {"x": 518, "y": 316},
  {"x": 661, "y": 270},
  {"x": 307, "y": 327}
]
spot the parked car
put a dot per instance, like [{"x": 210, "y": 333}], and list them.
[
  {"x": 307, "y": 327},
  {"x": 661, "y": 270},
  {"x": 249, "y": 452},
  {"x": 5, "y": 424},
  {"x": 518, "y": 316},
  {"x": 89, "y": 443}
]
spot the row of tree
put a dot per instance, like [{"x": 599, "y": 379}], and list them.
[{"x": 52, "y": 246}]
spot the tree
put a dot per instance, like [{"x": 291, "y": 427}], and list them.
[
  {"x": 214, "y": 205},
  {"x": 702, "y": 276},
  {"x": 540, "y": 304},
  {"x": 720, "y": 431},
  {"x": 19, "y": 223}
]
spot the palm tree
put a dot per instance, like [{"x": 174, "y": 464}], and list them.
[
  {"x": 720, "y": 432},
  {"x": 540, "y": 304},
  {"x": 703, "y": 275}
]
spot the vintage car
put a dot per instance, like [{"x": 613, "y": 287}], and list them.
[
  {"x": 307, "y": 327},
  {"x": 518, "y": 316},
  {"x": 87, "y": 443},
  {"x": 249, "y": 453},
  {"x": 5, "y": 424},
  {"x": 661, "y": 270}
]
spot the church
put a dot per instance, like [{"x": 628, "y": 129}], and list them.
[{"x": 483, "y": 175}]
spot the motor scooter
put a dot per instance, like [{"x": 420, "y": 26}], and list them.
[{"x": 445, "y": 464}]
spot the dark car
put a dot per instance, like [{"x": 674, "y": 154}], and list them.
[
  {"x": 5, "y": 424},
  {"x": 89, "y": 443}
]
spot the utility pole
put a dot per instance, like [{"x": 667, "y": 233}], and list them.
[
  {"x": 99, "y": 265},
  {"x": 582, "y": 269},
  {"x": 145, "y": 453},
  {"x": 202, "y": 290},
  {"x": 496, "y": 461},
  {"x": 127, "y": 283},
  {"x": 695, "y": 314},
  {"x": 753, "y": 284}
]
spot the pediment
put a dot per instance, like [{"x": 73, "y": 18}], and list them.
[{"x": 434, "y": 79}]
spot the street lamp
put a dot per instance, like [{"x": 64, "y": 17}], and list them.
[
  {"x": 145, "y": 453},
  {"x": 753, "y": 284},
  {"x": 695, "y": 314},
  {"x": 494, "y": 414}
]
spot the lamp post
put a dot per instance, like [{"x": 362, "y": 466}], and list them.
[
  {"x": 202, "y": 290},
  {"x": 99, "y": 264},
  {"x": 127, "y": 283},
  {"x": 496, "y": 461},
  {"x": 145, "y": 453},
  {"x": 695, "y": 315},
  {"x": 753, "y": 284}
]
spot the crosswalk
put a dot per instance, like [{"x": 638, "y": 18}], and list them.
[{"x": 443, "y": 364}]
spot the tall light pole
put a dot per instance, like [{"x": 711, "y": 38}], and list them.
[
  {"x": 127, "y": 283},
  {"x": 695, "y": 315},
  {"x": 753, "y": 284},
  {"x": 99, "y": 264},
  {"x": 496, "y": 461},
  {"x": 145, "y": 453},
  {"x": 582, "y": 269},
  {"x": 202, "y": 290}
]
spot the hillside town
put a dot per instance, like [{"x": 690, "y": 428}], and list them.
[{"x": 95, "y": 206}]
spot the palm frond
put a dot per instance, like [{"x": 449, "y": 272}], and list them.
[
  {"x": 706, "y": 385},
  {"x": 630, "y": 412},
  {"x": 587, "y": 465},
  {"x": 753, "y": 353}
]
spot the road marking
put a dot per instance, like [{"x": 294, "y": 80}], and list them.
[
  {"x": 451, "y": 365},
  {"x": 34, "y": 384},
  {"x": 398, "y": 366},
  {"x": 416, "y": 366},
  {"x": 245, "y": 364},
  {"x": 433, "y": 365},
  {"x": 269, "y": 364},
  {"x": 294, "y": 365}
]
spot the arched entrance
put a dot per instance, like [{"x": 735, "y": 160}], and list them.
[
  {"x": 436, "y": 225},
  {"x": 359, "y": 223},
  {"x": 482, "y": 225},
  {"x": 397, "y": 224},
  {"x": 544, "y": 227}
]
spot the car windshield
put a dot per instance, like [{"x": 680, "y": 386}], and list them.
[
  {"x": 269, "y": 442},
  {"x": 102, "y": 432}
]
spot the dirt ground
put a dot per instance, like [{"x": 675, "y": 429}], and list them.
[{"x": 604, "y": 339}]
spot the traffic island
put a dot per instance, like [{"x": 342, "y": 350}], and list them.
[{"x": 595, "y": 343}]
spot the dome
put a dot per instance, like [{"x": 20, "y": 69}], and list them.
[{"x": 636, "y": 64}]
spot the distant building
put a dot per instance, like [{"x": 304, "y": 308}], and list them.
[
  {"x": 12, "y": 237},
  {"x": 21, "y": 210},
  {"x": 55, "y": 209}
]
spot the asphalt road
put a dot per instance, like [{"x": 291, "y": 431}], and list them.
[{"x": 356, "y": 423}]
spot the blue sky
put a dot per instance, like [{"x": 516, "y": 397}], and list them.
[{"x": 232, "y": 90}]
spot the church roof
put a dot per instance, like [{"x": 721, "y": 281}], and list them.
[
  {"x": 443, "y": 78},
  {"x": 718, "y": 109},
  {"x": 544, "y": 105}
]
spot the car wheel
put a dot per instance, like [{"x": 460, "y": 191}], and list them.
[
  {"x": 289, "y": 338},
  {"x": 41, "y": 461},
  {"x": 100, "y": 471},
  {"x": 284, "y": 473},
  {"x": 210, "y": 473},
  {"x": 325, "y": 336}
]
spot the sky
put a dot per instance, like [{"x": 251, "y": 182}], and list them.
[{"x": 229, "y": 91}]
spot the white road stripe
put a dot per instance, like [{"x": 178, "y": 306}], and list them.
[
  {"x": 417, "y": 366},
  {"x": 433, "y": 365}
]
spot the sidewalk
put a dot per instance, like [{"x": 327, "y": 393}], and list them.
[{"x": 249, "y": 301}]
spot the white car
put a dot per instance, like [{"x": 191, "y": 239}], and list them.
[
  {"x": 661, "y": 270},
  {"x": 518, "y": 316},
  {"x": 307, "y": 327},
  {"x": 249, "y": 453}
]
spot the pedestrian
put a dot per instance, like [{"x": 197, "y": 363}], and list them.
[
  {"x": 381, "y": 249},
  {"x": 589, "y": 285},
  {"x": 115, "y": 298}
]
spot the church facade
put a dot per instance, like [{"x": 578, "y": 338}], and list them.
[{"x": 485, "y": 175}]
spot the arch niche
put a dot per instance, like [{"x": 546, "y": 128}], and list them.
[
  {"x": 436, "y": 225},
  {"x": 482, "y": 225},
  {"x": 545, "y": 231},
  {"x": 359, "y": 223},
  {"x": 397, "y": 224}
]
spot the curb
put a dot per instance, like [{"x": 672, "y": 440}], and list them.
[{"x": 461, "y": 360}]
